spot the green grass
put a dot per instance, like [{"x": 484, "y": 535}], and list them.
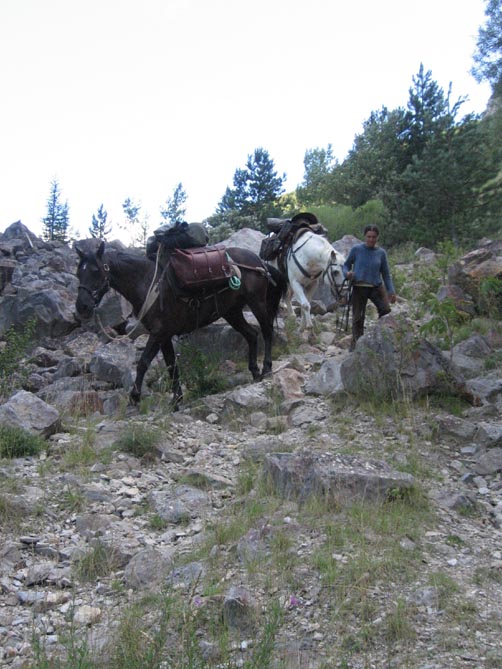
[
  {"x": 139, "y": 440},
  {"x": 17, "y": 443},
  {"x": 99, "y": 561}
]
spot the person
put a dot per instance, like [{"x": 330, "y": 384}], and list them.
[{"x": 368, "y": 269}]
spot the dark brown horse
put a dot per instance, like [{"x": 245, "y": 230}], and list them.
[{"x": 132, "y": 274}]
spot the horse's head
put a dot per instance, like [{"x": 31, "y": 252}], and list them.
[
  {"x": 334, "y": 274},
  {"x": 93, "y": 275}
]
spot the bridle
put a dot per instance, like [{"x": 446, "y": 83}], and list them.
[
  {"x": 337, "y": 290},
  {"x": 98, "y": 293}
]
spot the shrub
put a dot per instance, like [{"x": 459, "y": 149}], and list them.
[
  {"x": 138, "y": 441},
  {"x": 14, "y": 346},
  {"x": 199, "y": 372},
  {"x": 16, "y": 442},
  {"x": 490, "y": 297}
]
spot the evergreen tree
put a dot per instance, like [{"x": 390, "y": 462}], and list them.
[
  {"x": 56, "y": 221},
  {"x": 488, "y": 67},
  {"x": 137, "y": 226},
  {"x": 174, "y": 209},
  {"x": 99, "y": 228},
  {"x": 254, "y": 196},
  {"x": 315, "y": 188},
  {"x": 378, "y": 154},
  {"x": 131, "y": 210},
  {"x": 425, "y": 166},
  {"x": 488, "y": 56}
]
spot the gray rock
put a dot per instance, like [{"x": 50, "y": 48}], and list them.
[
  {"x": 91, "y": 525},
  {"x": 489, "y": 462},
  {"x": 460, "y": 430},
  {"x": 27, "y": 411},
  {"x": 252, "y": 548},
  {"x": 147, "y": 568},
  {"x": 178, "y": 505},
  {"x": 328, "y": 380},
  {"x": 115, "y": 363},
  {"x": 247, "y": 398},
  {"x": 187, "y": 575},
  {"x": 240, "y": 610},
  {"x": 340, "y": 479},
  {"x": 390, "y": 362}
]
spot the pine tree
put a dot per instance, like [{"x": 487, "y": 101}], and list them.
[
  {"x": 99, "y": 227},
  {"x": 254, "y": 196},
  {"x": 136, "y": 226},
  {"x": 174, "y": 210},
  {"x": 488, "y": 56},
  {"x": 56, "y": 222}
]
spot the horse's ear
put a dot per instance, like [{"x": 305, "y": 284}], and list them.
[
  {"x": 78, "y": 250},
  {"x": 101, "y": 249}
]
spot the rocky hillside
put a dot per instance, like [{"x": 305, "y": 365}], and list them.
[{"x": 345, "y": 512}]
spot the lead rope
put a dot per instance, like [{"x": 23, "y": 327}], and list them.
[{"x": 151, "y": 296}]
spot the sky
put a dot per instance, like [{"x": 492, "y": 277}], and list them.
[{"x": 125, "y": 99}]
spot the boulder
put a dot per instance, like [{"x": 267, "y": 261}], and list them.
[
  {"x": 338, "y": 479},
  {"x": 114, "y": 363},
  {"x": 470, "y": 270},
  {"x": 29, "y": 412},
  {"x": 245, "y": 238},
  {"x": 390, "y": 361}
]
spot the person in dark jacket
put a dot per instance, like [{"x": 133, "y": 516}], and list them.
[{"x": 368, "y": 269}]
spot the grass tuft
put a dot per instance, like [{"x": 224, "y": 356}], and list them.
[{"x": 17, "y": 443}]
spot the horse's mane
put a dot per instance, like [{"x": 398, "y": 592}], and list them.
[{"x": 129, "y": 258}]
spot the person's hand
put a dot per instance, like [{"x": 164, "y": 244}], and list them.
[
  {"x": 392, "y": 299},
  {"x": 350, "y": 275}
]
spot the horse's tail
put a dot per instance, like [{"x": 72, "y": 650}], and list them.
[{"x": 277, "y": 287}]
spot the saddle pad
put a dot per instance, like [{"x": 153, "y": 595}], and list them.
[{"x": 201, "y": 267}]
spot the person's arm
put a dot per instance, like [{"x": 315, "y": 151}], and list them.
[
  {"x": 387, "y": 279},
  {"x": 347, "y": 265}
]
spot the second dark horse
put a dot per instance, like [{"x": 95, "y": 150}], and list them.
[{"x": 131, "y": 275}]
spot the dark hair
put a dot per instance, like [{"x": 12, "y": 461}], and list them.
[{"x": 371, "y": 228}]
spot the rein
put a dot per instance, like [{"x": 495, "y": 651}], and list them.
[
  {"x": 338, "y": 290},
  {"x": 151, "y": 297}
]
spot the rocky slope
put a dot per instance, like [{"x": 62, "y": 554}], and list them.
[{"x": 287, "y": 523}]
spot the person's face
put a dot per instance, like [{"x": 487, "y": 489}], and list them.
[{"x": 371, "y": 238}]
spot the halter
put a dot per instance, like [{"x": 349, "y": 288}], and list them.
[
  {"x": 337, "y": 290},
  {"x": 98, "y": 293}
]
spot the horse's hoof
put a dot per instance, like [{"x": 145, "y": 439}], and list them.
[
  {"x": 176, "y": 402},
  {"x": 134, "y": 399}
]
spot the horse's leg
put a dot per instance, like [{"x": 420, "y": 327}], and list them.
[
  {"x": 298, "y": 290},
  {"x": 151, "y": 349},
  {"x": 288, "y": 300},
  {"x": 238, "y": 322},
  {"x": 170, "y": 359},
  {"x": 266, "y": 324}
]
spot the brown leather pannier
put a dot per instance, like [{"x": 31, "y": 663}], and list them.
[{"x": 207, "y": 266}]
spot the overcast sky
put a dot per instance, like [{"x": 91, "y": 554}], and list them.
[{"x": 127, "y": 98}]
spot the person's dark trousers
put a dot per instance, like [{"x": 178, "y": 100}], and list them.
[{"x": 360, "y": 297}]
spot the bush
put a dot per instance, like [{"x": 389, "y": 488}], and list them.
[
  {"x": 13, "y": 348},
  {"x": 138, "y": 441},
  {"x": 16, "y": 442},
  {"x": 342, "y": 220},
  {"x": 199, "y": 372},
  {"x": 490, "y": 297}
]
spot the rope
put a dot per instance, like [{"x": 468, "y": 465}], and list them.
[{"x": 151, "y": 297}]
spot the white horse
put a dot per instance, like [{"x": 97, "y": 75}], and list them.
[{"x": 311, "y": 260}]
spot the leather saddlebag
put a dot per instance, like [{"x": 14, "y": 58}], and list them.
[{"x": 204, "y": 267}]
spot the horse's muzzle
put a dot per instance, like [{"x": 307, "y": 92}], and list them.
[{"x": 85, "y": 303}]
